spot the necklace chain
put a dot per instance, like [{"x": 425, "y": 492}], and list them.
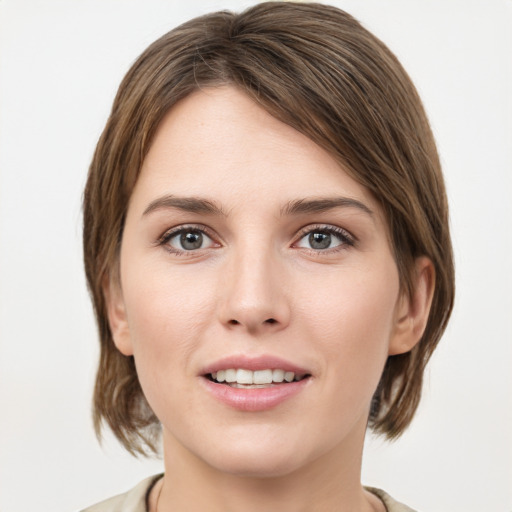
[{"x": 158, "y": 497}]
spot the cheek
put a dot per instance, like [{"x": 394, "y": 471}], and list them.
[
  {"x": 167, "y": 312},
  {"x": 167, "y": 316},
  {"x": 352, "y": 317}
]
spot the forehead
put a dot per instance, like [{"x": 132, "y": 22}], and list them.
[{"x": 218, "y": 142}]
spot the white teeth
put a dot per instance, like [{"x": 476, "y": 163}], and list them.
[
  {"x": 257, "y": 378},
  {"x": 231, "y": 375},
  {"x": 278, "y": 375},
  {"x": 244, "y": 376},
  {"x": 262, "y": 377}
]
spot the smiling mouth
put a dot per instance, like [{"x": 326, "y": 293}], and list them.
[{"x": 248, "y": 379}]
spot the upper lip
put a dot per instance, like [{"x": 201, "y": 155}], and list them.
[{"x": 253, "y": 363}]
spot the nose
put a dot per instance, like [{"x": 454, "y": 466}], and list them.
[{"x": 253, "y": 296}]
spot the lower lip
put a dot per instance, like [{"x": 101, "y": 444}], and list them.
[{"x": 255, "y": 399}]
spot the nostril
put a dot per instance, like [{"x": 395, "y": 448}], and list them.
[{"x": 237, "y": 322}]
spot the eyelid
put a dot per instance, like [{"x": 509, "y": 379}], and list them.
[
  {"x": 170, "y": 233},
  {"x": 347, "y": 238}
]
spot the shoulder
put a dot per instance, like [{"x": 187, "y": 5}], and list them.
[
  {"x": 391, "y": 504},
  {"x": 131, "y": 501}
]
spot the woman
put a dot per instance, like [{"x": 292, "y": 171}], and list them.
[{"x": 267, "y": 247}]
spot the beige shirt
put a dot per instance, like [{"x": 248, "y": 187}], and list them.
[{"x": 136, "y": 499}]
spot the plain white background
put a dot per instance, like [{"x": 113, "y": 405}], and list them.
[{"x": 61, "y": 62}]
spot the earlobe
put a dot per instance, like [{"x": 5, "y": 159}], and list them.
[
  {"x": 413, "y": 312},
  {"x": 117, "y": 315}
]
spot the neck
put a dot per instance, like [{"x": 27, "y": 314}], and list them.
[{"x": 329, "y": 482}]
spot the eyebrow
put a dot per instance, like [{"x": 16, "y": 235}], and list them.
[
  {"x": 187, "y": 204},
  {"x": 323, "y": 205},
  {"x": 295, "y": 207}
]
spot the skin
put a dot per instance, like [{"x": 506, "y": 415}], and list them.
[{"x": 257, "y": 287}]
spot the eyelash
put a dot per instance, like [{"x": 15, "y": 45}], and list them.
[
  {"x": 170, "y": 234},
  {"x": 345, "y": 238}
]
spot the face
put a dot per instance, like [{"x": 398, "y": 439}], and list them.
[{"x": 250, "y": 256}]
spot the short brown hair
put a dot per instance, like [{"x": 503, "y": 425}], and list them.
[{"x": 315, "y": 68}]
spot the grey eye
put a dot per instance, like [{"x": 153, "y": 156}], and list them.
[
  {"x": 190, "y": 240},
  {"x": 319, "y": 240}
]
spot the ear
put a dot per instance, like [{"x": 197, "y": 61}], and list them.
[
  {"x": 116, "y": 312},
  {"x": 412, "y": 312}
]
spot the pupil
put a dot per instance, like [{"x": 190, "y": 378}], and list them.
[
  {"x": 191, "y": 240},
  {"x": 320, "y": 240}
]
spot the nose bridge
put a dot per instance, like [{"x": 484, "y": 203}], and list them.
[{"x": 253, "y": 295}]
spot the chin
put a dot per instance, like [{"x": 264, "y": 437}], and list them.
[
  {"x": 257, "y": 466},
  {"x": 256, "y": 458}
]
